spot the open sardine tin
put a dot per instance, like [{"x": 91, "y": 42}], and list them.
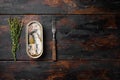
[{"x": 34, "y": 39}]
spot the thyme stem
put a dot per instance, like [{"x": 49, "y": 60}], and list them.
[{"x": 15, "y": 32}]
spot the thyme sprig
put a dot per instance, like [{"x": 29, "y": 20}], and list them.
[{"x": 16, "y": 26}]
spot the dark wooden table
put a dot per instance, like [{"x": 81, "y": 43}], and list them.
[{"x": 88, "y": 40}]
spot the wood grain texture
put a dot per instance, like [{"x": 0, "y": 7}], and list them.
[
  {"x": 60, "y": 70},
  {"x": 78, "y": 36},
  {"x": 88, "y": 40},
  {"x": 88, "y": 48},
  {"x": 59, "y": 7}
]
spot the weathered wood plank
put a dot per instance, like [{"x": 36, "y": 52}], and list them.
[
  {"x": 60, "y": 70},
  {"x": 78, "y": 36},
  {"x": 59, "y": 6}
]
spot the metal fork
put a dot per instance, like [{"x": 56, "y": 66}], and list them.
[{"x": 53, "y": 40}]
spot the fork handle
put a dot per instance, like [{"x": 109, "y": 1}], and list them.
[{"x": 53, "y": 50}]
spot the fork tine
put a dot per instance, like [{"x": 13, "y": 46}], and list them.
[{"x": 53, "y": 25}]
